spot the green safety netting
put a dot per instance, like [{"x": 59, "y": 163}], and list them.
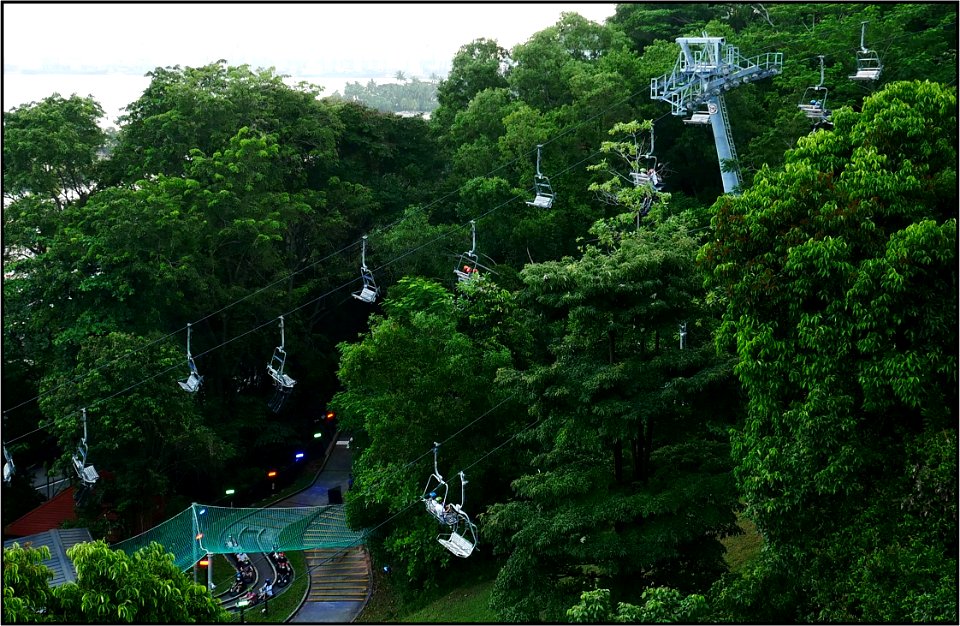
[{"x": 202, "y": 529}]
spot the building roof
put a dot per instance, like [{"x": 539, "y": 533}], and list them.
[
  {"x": 58, "y": 541},
  {"x": 47, "y": 516}
]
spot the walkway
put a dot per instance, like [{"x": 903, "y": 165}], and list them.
[{"x": 339, "y": 580}]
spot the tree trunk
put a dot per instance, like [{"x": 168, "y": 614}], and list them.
[
  {"x": 618, "y": 461},
  {"x": 636, "y": 450},
  {"x": 647, "y": 449}
]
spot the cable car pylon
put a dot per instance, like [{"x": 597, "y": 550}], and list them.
[{"x": 706, "y": 68}]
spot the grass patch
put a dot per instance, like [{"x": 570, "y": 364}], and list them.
[
  {"x": 742, "y": 549},
  {"x": 223, "y": 573},
  {"x": 468, "y": 602}
]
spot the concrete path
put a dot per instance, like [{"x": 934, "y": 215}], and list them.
[{"x": 331, "y": 609}]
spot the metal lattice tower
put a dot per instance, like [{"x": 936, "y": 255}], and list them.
[{"x": 706, "y": 68}]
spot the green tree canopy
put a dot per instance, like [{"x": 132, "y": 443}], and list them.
[
  {"x": 838, "y": 278},
  {"x": 628, "y": 479},
  {"x": 111, "y": 587}
]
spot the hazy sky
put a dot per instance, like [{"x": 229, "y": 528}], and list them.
[{"x": 295, "y": 38}]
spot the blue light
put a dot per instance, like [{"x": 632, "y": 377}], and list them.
[
  {"x": 202, "y": 511},
  {"x": 298, "y": 455}
]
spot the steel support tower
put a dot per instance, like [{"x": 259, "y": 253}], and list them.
[{"x": 708, "y": 67}]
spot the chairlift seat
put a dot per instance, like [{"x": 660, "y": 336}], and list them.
[
  {"x": 466, "y": 268},
  {"x": 89, "y": 475},
  {"x": 281, "y": 379},
  {"x": 463, "y": 276},
  {"x": 367, "y": 294},
  {"x": 866, "y": 74},
  {"x": 543, "y": 192},
  {"x": 457, "y": 544},
  {"x": 700, "y": 117},
  {"x": 191, "y": 383},
  {"x": 541, "y": 201},
  {"x": 811, "y": 110},
  {"x": 370, "y": 290},
  {"x": 868, "y": 66},
  {"x": 640, "y": 178},
  {"x": 275, "y": 369}
]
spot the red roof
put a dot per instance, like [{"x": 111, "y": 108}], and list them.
[{"x": 47, "y": 516}]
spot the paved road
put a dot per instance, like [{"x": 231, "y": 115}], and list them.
[{"x": 335, "y": 473}]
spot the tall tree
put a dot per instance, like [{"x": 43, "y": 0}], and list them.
[
  {"x": 838, "y": 275},
  {"x": 478, "y": 65},
  {"x": 50, "y": 153},
  {"x": 629, "y": 482},
  {"x": 424, "y": 373}
]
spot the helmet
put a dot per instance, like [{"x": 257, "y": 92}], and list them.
[{"x": 269, "y": 580}]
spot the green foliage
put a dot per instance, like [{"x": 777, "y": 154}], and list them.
[
  {"x": 50, "y": 150},
  {"x": 227, "y": 190},
  {"x": 838, "y": 277},
  {"x": 149, "y": 438},
  {"x": 26, "y": 594},
  {"x": 111, "y": 587},
  {"x": 661, "y": 605},
  {"x": 477, "y": 66},
  {"x": 397, "y": 405},
  {"x": 412, "y": 95},
  {"x": 627, "y": 441},
  {"x": 202, "y": 108}
]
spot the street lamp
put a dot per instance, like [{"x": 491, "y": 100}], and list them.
[{"x": 230, "y": 492}]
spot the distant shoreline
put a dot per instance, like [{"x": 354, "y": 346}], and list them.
[{"x": 115, "y": 90}]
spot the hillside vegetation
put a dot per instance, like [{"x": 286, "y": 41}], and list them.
[{"x": 634, "y": 375}]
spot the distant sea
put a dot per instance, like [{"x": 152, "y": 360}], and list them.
[{"x": 116, "y": 91}]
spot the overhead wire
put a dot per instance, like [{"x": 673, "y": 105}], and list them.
[
  {"x": 342, "y": 250},
  {"x": 298, "y": 271},
  {"x": 293, "y": 310},
  {"x": 416, "y": 501},
  {"x": 290, "y": 275}
]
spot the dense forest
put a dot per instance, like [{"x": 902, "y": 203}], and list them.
[
  {"x": 630, "y": 372},
  {"x": 408, "y": 95}
]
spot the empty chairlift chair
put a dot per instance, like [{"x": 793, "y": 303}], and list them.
[
  {"x": 543, "y": 192},
  {"x": 868, "y": 62},
  {"x": 191, "y": 383},
  {"x": 284, "y": 383},
  {"x": 369, "y": 291},
  {"x": 700, "y": 116},
  {"x": 9, "y": 469},
  {"x": 86, "y": 473}
]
